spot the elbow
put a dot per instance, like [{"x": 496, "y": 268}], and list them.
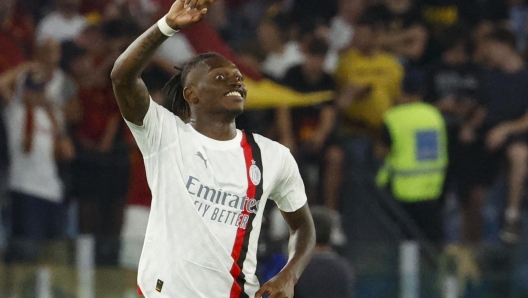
[{"x": 116, "y": 75}]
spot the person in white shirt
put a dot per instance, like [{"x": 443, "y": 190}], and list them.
[
  {"x": 64, "y": 23},
  {"x": 35, "y": 137},
  {"x": 209, "y": 181}
]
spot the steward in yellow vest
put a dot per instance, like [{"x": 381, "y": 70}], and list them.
[
  {"x": 415, "y": 146},
  {"x": 416, "y": 165}
]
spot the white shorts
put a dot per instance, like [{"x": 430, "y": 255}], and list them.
[{"x": 133, "y": 234}]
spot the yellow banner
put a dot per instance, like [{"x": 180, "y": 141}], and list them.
[{"x": 265, "y": 93}]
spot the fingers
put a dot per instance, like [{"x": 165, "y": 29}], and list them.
[
  {"x": 261, "y": 291},
  {"x": 197, "y": 4}
]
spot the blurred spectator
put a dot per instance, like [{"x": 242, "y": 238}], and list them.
[
  {"x": 63, "y": 23},
  {"x": 306, "y": 130},
  {"x": 327, "y": 274},
  {"x": 518, "y": 19},
  {"x": 406, "y": 35},
  {"x": 16, "y": 34},
  {"x": 341, "y": 30},
  {"x": 102, "y": 159},
  {"x": 499, "y": 131},
  {"x": 440, "y": 15},
  {"x": 281, "y": 52},
  {"x": 37, "y": 142},
  {"x": 258, "y": 121},
  {"x": 414, "y": 139},
  {"x": 303, "y": 10},
  {"x": 369, "y": 80},
  {"x": 453, "y": 83}
]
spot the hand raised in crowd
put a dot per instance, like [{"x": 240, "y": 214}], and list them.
[
  {"x": 467, "y": 134},
  {"x": 184, "y": 13},
  {"x": 497, "y": 136}
]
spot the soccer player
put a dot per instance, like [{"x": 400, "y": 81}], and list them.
[{"x": 209, "y": 181}]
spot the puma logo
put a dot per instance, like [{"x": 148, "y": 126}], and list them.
[{"x": 199, "y": 154}]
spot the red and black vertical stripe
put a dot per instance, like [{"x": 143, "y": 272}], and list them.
[{"x": 252, "y": 155}]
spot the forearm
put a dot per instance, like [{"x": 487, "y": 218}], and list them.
[
  {"x": 134, "y": 59},
  {"x": 284, "y": 123},
  {"x": 301, "y": 243},
  {"x": 300, "y": 249},
  {"x": 327, "y": 120},
  {"x": 477, "y": 119},
  {"x": 517, "y": 126},
  {"x": 130, "y": 91}
]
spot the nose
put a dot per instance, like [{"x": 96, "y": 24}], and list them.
[{"x": 234, "y": 81}]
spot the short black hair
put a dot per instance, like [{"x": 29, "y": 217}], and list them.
[
  {"x": 504, "y": 36},
  {"x": 374, "y": 17},
  {"x": 323, "y": 224},
  {"x": 173, "y": 89},
  {"x": 454, "y": 36}
]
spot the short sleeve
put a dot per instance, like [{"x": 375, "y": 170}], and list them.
[
  {"x": 289, "y": 193},
  {"x": 159, "y": 129}
]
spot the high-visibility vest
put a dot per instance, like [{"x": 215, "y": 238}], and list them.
[{"x": 416, "y": 165}]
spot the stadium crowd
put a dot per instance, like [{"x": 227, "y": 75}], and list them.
[{"x": 69, "y": 165}]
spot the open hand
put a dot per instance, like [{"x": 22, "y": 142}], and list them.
[{"x": 184, "y": 13}]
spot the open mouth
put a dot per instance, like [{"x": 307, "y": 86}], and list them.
[{"x": 234, "y": 93}]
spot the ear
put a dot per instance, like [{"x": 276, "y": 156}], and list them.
[{"x": 189, "y": 94}]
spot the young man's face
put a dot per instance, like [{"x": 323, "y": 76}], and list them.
[
  {"x": 365, "y": 37},
  {"x": 269, "y": 36},
  {"x": 216, "y": 86}
]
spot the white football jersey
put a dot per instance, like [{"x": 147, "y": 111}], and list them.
[{"x": 208, "y": 199}]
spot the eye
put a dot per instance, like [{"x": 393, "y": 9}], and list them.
[
  {"x": 240, "y": 79},
  {"x": 219, "y": 77}
]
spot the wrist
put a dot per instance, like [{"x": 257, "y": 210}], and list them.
[{"x": 166, "y": 27}]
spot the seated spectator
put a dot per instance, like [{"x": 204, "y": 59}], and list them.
[
  {"x": 498, "y": 131},
  {"x": 306, "y": 130},
  {"x": 63, "y": 23},
  {"x": 327, "y": 274}
]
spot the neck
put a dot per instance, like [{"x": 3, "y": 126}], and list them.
[
  {"x": 312, "y": 76},
  {"x": 67, "y": 13},
  {"x": 513, "y": 63},
  {"x": 278, "y": 48},
  {"x": 217, "y": 129},
  {"x": 369, "y": 52}
]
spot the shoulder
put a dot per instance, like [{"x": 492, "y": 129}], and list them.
[
  {"x": 389, "y": 59},
  {"x": 266, "y": 144}
]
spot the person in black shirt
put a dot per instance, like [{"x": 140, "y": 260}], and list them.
[
  {"x": 327, "y": 274},
  {"x": 499, "y": 130},
  {"x": 406, "y": 35},
  {"x": 305, "y": 130}
]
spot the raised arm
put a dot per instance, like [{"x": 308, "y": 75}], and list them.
[{"x": 130, "y": 90}]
